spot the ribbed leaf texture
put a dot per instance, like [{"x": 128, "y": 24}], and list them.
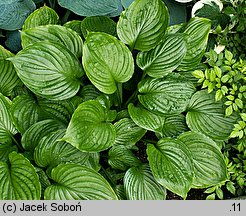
[
  {"x": 207, "y": 116},
  {"x": 42, "y": 16},
  {"x": 107, "y": 61},
  {"x": 143, "y": 24},
  {"x": 18, "y": 179},
  {"x": 53, "y": 33},
  {"x": 76, "y": 182},
  {"x": 168, "y": 95},
  {"x": 47, "y": 71},
  {"x": 140, "y": 184},
  {"x": 172, "y": 166},
  {"x": 209, "y": 163},
  {"x": 165, "y": 57},
  {"x": 88, "y": 129}
]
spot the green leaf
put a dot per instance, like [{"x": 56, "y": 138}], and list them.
[
  {"x": 172, "y": 166},
  {"x": 207, "y": 116},
  {"x": 37, "y": 131},
  {"x": 146, "y": 119},
  {"x": 75, "y": 25},
  {"x": 42, "y": 16},
  {"x": 239, "y": 103},
  {"x": 198, "y": 74},
  {"x": 47, "y": 71},
  {"x": 89, "y": 92},
  {"x": 211, "y": 197},
  {"x": 143, "y": 24},
  {"x": 7, "y": 129},
  {"x": 228, "y": 55},
  {"x": 50, "y": 152},
  {"x": 197, "y": 30},
  {"x": 174, "y": 126},
  {"x": 140, "y": 184},
  {"x": 121, "y": 158},
  {"x": 218, "y": 95},
  {"x": 14, "y": 12},
  {"x": 76, "y": 182},
  {"x": 18, "y": 179},
  {"x": 165, "y": 57},
  {"x": 209, "y": 164},
  {"x": 229, "y": 110},
  {"x": 107, "y": 61},
  {"x": 56, "y": 34},
  {"x": 127, "y": 132},
  {"x": 88, "y": 129},
  {"x": 230, "y": 187},
  {"x": 219, "y": 193},
  {"x": 8, "y": 76},
  {"x": 168, "y": 95},
  {"x": 98, "y": 24},
  {"x": 5, "y": 150},
  {"x": 90, "y": 8}
]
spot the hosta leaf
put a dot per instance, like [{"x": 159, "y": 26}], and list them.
[
  {"x": 89, "y": 92},
  {"x": 13, "y": 41},
  {"x": 42, "y": 16},
  {"x": 14, "y": 12},
  {"x": 143, "y": 24},
  {"x": 98, "y": 24},
  {"x": 146, "y": 119},
  {"x": 47, "y": 71},
  {"x": 209, "y": 164},
  {"x": 168, "y": 95},
  {"x": 207, "y": 116},
  {"x": 27, "y": 110},
  {"x": 50, "y": 152},
  {"x": 174, "y": 126},
  {"x": 197, "y": 31},
  {"x": 8, "y": 76},
  {"x": 37, "y": 131},
  {"x": 165, "y": 57},
  {"x": 88, "y": 129},
  {"x": 76, "y": 182},
  {"x": 119, "y": 157},
  {"x": 126, "y": 3},
  {"x": 18, "y": 179},
  {"x": 107, "y": 61},
  {"x": 127, "y": 132},
  {"x": 5, "y": 149},
  {"x": 75, "y": 25},
  {"x": 140, "y": 184},
  {"x": 53, "y": 33},
  {"x": 90, "y": 8},
  {"x": 7, "y": 128},
  {"x": 172, "y": 166}
]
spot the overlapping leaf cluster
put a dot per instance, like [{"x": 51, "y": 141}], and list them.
[{"x": 67, "y": 115}]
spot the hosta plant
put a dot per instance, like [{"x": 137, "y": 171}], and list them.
[{"x": 81, "y": 100}]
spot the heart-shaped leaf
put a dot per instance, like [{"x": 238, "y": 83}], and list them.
[
  {"x": 127, "y": 132},
  {"x": 90, "y": 8},
  {"x": 18, "y": 179},
  {"x": 75, "y": 25},
  {"x": 37, "y": 131},
  {"x": 88, "y": 129},
  {"x": 107, "y": 61},
  {"x": 140, "y": 184},
  {"x": 172, "y": 166},
  {"x": 98, "y": 24},
  {"x": 143, "y": 24},
  {"x": 209, "y": 163},
  {"x": 8, "y": 76},
  {"x": 197, "y": 31},
  {"x": 89, "y": 92},
  {"x": 76, "y": 182},
  {"x": 119, "y": 157},
  {"x": 14, "y": 12},
  {"x": 207, "y": 116},
  {"x": 168, "y": 95},
  {"x": 47, "y": 71},
  {"x": 165, "y": 57},
  {"x": 53, "y": 33},
  {"x": 42, "y": 16},
  {"x": 7, "y": 129},
  {"x": 50, "y": 152}
]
